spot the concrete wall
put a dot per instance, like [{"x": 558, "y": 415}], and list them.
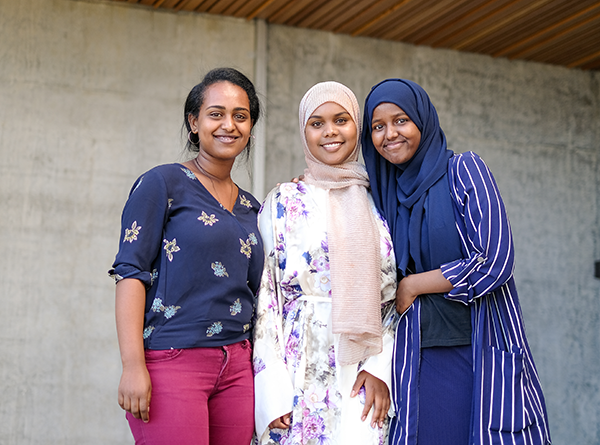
[{"x": 91, "y": 95}]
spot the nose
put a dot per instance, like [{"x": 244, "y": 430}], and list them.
[
  {"x": 329, "y": 129},
  {"x": 227, "y": 123},
  {"x": 391, "y": 133}
]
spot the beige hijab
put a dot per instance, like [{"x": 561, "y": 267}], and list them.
[{"x": 353, "y": 236}]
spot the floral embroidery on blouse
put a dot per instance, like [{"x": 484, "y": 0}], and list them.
[
  {"x": 170, "y": 202},
  {"x": 214, "y": 328},
  {"x": 148, "y": 331},
  {"x": 219, "y": 269},
  {"x": 245, "y": 201},
  {"x": 132, "y": 234},
  {"x": 246, "y": 249},
  {"x": 236, "y": 307},
  {"x": 208, "y": 220},
  {"x": 171, "y": 247},
  {"x": 253, "y": 239},
  {"x": 169, "y": 311},
  {"x": 246, "y": 327},
  {"x": 189, "y": 173},
  {"x": 153, "y": 276}
]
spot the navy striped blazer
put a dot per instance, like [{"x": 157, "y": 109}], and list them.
[{"x": 508, "y": 404}]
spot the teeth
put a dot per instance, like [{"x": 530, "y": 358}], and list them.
[{"x": 335, "y": 144}]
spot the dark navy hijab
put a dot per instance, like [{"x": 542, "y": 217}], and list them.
[{"x": 414, "y": 197}]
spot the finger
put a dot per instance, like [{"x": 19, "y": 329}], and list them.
[
  {"x": 134, "y": 408},
  {"x": 121, "y": 399},
  {"x": 360, "y": 381},
  {"x": 369, "y": 402},
  {"x": 145, "y": 410},
  {"x": 384, "y": 410},
  {"x": 376, "y": 417},
  {"x": 279, "y": 424},
  {"x": 287, "y": 419}
]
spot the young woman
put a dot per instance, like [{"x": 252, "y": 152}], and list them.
[
  {"x": 463, "y": 371},
  {"x": 187, "y": 270},
  {"x": 322, "y": 353}
]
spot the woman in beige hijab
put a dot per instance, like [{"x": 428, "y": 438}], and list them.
[{"x": 325, "y": 312}]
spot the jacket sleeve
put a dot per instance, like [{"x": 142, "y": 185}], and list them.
[
  {"x": 274, "y": 392},
  {"x": 484, "y": 229}
]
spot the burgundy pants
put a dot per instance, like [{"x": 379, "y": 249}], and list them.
[{"x": 200, "y": 396}]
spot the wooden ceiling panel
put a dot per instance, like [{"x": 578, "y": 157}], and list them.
[{"x": 560, "y": 32}]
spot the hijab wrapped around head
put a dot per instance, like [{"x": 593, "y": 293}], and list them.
[
  {"x": 414, "y": 196},
  {"x": 352, "y": 234}
]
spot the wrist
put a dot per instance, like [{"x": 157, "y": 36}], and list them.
[
  {"x": 132, "y": 364},
  {"x": 409, "y": 284}
]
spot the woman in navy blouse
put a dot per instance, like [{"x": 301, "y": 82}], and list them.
[
  {"x": 463, "y": 371},
  {"x": 188, "y": 267}
]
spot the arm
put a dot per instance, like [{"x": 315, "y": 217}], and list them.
[
  {"x": 487, "y": 236},
  {"x": 411, "y": 286},
  {"x": 142, "y": 224},
  {"x": 135, "y": 387}
]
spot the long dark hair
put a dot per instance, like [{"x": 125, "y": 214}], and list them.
[{"x": 195, "y": 99}]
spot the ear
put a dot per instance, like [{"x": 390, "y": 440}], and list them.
[{"x": 193, "y": 121}]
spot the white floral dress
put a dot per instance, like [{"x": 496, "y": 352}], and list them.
[{"x": 295, "y": 362}]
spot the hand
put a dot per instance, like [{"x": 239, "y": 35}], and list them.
[
  {"x": 404, "y": 296},
  {"x": 135, "y": 391},
  {"x": 294, "y": 180},
  {"x": 283, "y": 423},
  {"x": 377, "y": 396}
]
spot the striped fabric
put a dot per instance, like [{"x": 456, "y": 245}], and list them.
[{"x": 508, "y": 404}]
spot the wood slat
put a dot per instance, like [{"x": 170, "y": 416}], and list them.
[{"x": 562, "y": 32}]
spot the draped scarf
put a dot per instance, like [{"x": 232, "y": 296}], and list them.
[
  {"x": 414, "y": 196},
  {"x": 352, "y": 235}
]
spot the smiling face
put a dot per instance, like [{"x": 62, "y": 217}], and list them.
[
  {"x": 223, "y": 123},
  {"x": 394, "y": 134},
  {"x": 331, "y": 134}
]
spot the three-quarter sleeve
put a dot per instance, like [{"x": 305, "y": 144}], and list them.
[
  {"x": 142, "y": 224},
  {"x": 271, "y": 378},
  {"x": 484, "y": 228}
]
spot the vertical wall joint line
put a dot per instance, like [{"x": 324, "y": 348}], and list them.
[{"x": 260, "y": 82}]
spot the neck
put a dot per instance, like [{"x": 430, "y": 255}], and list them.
[{"x": 218, "y": 171}]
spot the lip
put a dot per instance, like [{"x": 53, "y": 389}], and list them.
[
  {"x": 226, "y": 139},
  {"x": 392, "y": 145},
  {"x": 332, "y": 146}
]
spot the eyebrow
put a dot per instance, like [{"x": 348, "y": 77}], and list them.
[
  {"x": 394, "y": 115},
  {"x": 221, "y": 107},
  {"x": 341, "y": 113}
]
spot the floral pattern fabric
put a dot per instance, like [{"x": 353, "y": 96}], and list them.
[{"x": 295, "y": 350}]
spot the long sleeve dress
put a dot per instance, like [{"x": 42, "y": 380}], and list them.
[
  {"x": 508, "y": 405},
  {"x": 295, "y": 362}
]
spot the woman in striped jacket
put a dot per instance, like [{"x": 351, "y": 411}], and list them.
[{"x": 463, "y": 371}]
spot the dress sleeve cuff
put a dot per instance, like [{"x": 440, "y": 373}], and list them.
[{"x": 274, "y": 396}]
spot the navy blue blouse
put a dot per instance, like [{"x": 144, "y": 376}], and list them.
[{"x": 201, "y": 264}]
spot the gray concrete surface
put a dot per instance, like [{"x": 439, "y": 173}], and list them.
[{"x": 91, "y": 95}]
